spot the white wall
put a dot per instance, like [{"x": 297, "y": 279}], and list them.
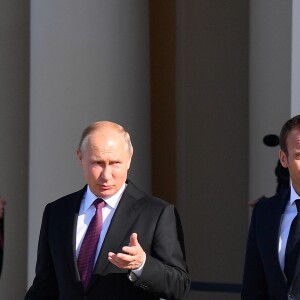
[{"x": 89, "y": 61}]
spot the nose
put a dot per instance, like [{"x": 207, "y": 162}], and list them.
[{"x": 106, "y": 173}]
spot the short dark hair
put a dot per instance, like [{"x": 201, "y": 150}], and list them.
[{"x": 286, "y": 129}]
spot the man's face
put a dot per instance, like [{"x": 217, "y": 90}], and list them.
[
  {"x": 105, "y": 161},
  {"x": 291, "y": 160}
]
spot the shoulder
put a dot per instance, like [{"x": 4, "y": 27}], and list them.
[
  {"x": 272, "y": 204},
  {"x": 143, "y": 198},
  {"x": 68, "y": 199}
]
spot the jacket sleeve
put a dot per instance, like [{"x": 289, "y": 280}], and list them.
[
  {"x": 254, "y": 286},
  {"x": 44, "y": 286},
  {"x": 165, "y": 272}
]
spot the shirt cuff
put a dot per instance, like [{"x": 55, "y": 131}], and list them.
[{"x": 138, "y": 272}]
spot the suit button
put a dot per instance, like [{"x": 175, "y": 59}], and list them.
[
  {"x": 291, "y": 295},
  {"x": 144, "y": 286}
]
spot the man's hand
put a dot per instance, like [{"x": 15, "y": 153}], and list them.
[{"x": 132, "y": 259}]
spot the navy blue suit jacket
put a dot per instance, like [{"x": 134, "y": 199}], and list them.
[{"x": 263, "y": 277}]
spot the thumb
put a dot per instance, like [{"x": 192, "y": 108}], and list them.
[{"x": 134, "y": 240}]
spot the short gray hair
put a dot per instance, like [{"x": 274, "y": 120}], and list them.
[{"x": 97, "y": 125}]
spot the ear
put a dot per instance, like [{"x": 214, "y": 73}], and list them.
[
  {"x": 129, "y": 161},
  {"x": 79, "y": 156},
  {"x": 283, "y": 159}
]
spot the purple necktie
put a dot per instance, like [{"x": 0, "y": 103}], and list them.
[{"x": 86, "y": 257}]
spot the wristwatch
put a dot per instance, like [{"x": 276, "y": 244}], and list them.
[{"x": 132, "y": 276}]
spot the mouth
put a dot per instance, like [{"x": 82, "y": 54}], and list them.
[{"x": 105, "y": 187}]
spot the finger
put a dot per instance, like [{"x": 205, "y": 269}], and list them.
[
  {"x": 122, "y": 261},
  {"x": 134, "y": 240},
  {"x": 131, "y": 250},
  {"x": 120, "y": 258},
  {"x": 112, "y": 257}
]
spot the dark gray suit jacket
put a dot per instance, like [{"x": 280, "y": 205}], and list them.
[
  {"x": 159, "y": 232},
  {"x": 263, "y": 277}
]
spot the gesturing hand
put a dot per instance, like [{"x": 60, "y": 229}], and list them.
[{"x": 133, "y": 257}]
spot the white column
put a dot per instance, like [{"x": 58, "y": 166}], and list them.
[
  {"x": 89, "y": 61},
  {"x": 295, "y": 62},
  {"x": 14, "y": 94},
  {"x": 269, "y": 87}
]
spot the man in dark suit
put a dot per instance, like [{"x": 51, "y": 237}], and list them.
[
  {"x": 140, "y": 251},
  {"x": 272, "y": 265}
]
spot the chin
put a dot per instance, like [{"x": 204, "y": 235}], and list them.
[{"x": 105, "y": 193}]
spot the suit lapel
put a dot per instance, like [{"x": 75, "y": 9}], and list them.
[
  {"x": 120, "y": 228},
  {"x": 71, "y": 228},
  {"x": 269, "y": 227},
  {"x": 283, "y": 200}
]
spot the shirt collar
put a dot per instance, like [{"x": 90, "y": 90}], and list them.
[
  {"x": 112, "y": 201},
  {"x": 294, "y": 196}
]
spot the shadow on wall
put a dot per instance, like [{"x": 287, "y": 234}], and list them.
[{"x": 282, "y": 174}]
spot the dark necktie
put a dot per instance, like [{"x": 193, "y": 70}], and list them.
[
  {"x": 292, "y": 246},
  {"x": 86, "y": 257}
]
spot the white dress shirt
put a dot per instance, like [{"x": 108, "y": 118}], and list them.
[
  {"x": 288, "y": 216},
  {"x": 87, "y": 211}
]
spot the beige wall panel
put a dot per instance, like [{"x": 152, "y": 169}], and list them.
[{"x": 212, "y": 99}]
